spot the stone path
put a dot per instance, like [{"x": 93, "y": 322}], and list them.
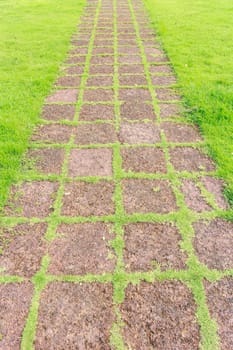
[{"x": 116, "y": 235}]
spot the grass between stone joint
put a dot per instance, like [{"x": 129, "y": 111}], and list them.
[
  {"x": 201, "y": 57},
  {"x": 34, "y": 38}
]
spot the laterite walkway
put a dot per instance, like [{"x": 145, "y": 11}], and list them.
[{"x": 116, "y": 235}]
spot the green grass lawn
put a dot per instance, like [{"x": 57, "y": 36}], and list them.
[
  {"x": 34, "y": 38},
  {"x": 197, "y": 36}
]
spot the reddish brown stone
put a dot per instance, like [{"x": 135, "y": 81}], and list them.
[
  {"x": 95, "y": 133},
  {"x": 190, "y": 159},
  {"x": 103, "y": 42},
  {"x": 75, "y": 316},
  {"x": 133, "y": 80},
  {"x": 131, "y": 68},
  {"x": 109, "y": 59},
  {"x": 130, "y": 59},
  {"x": 91, "y": 112},
  {"x": 100, "y": 81},
  {"x": 63, "y": 96},
  {"x": 22, "y": 248},
  {"x": 52, "y": 133},
  {"x": 216, "y": 187},
  {"x": 193, "y": 197},
  {"x": 213, "y": 243},
  {"x": 76, "y": 59},
  {"x": 74, "y": 70},
  {"x": 82, "y": 249},
  {"x": 160, "y": 80},
  {"x": 76, "y": 42},
  {"x": 47, "y": 160},
  {"x": 167, "y": 95},
  {"x": 103, "y": 50},
  {"x": 98, "y": 95},
  {"x": 157, "y": 59},
  {"x": 166, "y": 69},
  {"x": 168, "y": 110},
  {"x": 139, "y": 133},
  {"x": 138, "y": 94},
  {"x": 14, "y": 306},
  {"x": 176, "y": 132},
  {"x": 127, "y": 42},
  {"x": 148, "y": 196},
  {"x": 32, "y": 199},
  {"x": 143, "y": 160},
  {"x": 137, "y": 111},
  {"x": 160, "y": 315},
  {"x": 152, "y": 51},
  {"x": 219, "y": 299},
  {"x": 69, "y": 81},
  {"x": 149, "y": 246},
  {"x": 90, "y": 162},
  {"x": 79, "y": 51},
  {"x": 85, "y": 199},
  {"x": 131, "y": 50},
  {"x": 101, "y": 69},
  {"x": 58, "y": 112}
]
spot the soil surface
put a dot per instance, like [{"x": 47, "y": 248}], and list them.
[{"x": 117, "y": 231}]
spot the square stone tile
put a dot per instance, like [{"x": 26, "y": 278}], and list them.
[
  {"x": 103, "y": 50},
  {"x": 47, "y": 160},
  {"x": 75, "y": 316},
  {"x": 87, "y": 198},
  {"x": 32, "y": 199},
  {"x": 155, "y": 59},
  {"x": 22, "y": 248},
  {"x": 138, "y": 133},
  {"x": 14, "y": 307},
  {"x": 82, "y": 249},
  {"x": 193, "y": 197},
  {"x": 94, "y": 112},
  {"x": 52, "y": 133},
  {"x": 138, "y": 94},
  {"x": 74, "y": 70},
  {"x": 100, "y": 81},
  {"x": 216, "y": 188},
  {"x": 166, "y": 94},
  {"x": 166, "y": 69},
  {"x": 90, "y": 162},
  {"x": 109, "y": 59},
  {"x": 129, "y": 59},
  {"x": 130, "y": 50},
  {"x": 95, "y": 133},
  {"x": 80, "y": 59},
  {"x": 63, "y": 96},
  {"x": 137, "y": 111},
  {"x": 132, "y": 80},
  {"x": 69, "y": 81},
  {"x": 152, "y": 51},
  {"x": 148, "y": 246},
  {"x": 160, "y": 315},
  {"x": 190, "y": 159},
  {"x": 177, "y": 132},
  {"x": 95, "y": 95},
  {"x": 79, "y": 51},
  {"x": 131, "y": 69},
  {"x": 219, "y": 300},
  {"x": 143, "y": 160},
  {"x": 148, "y": 196},
  {"x": 213, "y": 243},
  {"x": 163, "y": 80},
  {"x": 58, "y": 112},
  {"x": 168, "y": 110},
  {"x": 101, "y": 69}
]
